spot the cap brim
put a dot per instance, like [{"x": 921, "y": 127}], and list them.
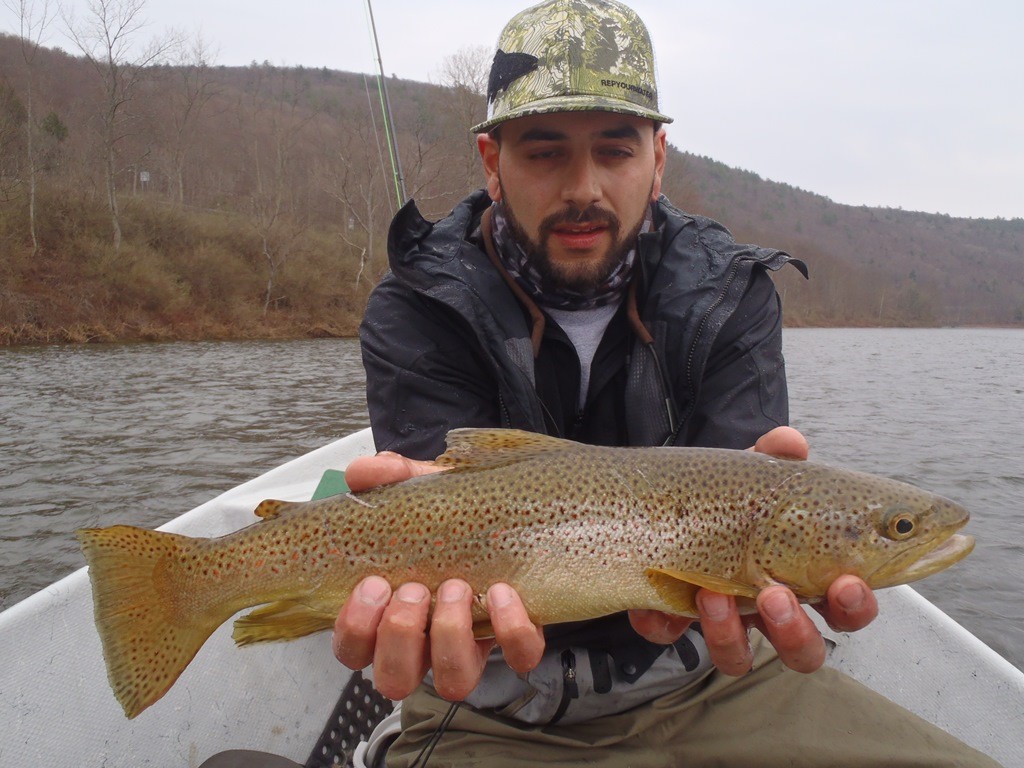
[{"x": 583, "y": 103}]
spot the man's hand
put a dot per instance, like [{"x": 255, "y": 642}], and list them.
[
  {"x": 390, "y": 629},
  {"x": 849, "y": 606}
]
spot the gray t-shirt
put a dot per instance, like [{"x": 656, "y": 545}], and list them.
[{"x": 585, "y": 327}]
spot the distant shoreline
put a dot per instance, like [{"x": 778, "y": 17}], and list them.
[{"x": 279, "y": 330}]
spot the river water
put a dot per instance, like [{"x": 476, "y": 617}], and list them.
[{"x": 98, "y": 435}]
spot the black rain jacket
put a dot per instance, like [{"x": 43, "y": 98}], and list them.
[{"x": 446, "y": 344}]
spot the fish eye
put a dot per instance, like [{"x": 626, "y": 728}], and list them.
[{"x": 901, "y": 524}]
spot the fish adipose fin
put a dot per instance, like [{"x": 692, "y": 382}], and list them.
[
  {"x": 470, "y": 448},
  {"x": 283, "y": 620},
  {"x": 679, "y": 588},
  {"x": 274, "y": 507},
  {"x": 145, "y": 619}
]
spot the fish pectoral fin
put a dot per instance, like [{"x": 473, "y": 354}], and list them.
[
  {"x": 679, "y": 588},
  {"x": 473, "y": 448},
  {"x": 284, "y": 620},
  {"x": 678, "y": 594},
  {"x": 274, "y": 507}
]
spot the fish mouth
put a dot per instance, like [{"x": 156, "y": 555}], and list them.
[{"x": 904, "y": 569}]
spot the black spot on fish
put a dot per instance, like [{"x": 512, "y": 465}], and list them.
[{"x": 506, "y": 69}]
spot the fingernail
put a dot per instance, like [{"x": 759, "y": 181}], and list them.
[
  {"x": 374, "y": 591},
  {"x": 499, "y": 595},
  {"x": 452, "y": 592},
  {"x": 778, "y": 607},
  {"x": 714, "y": 606},
  {"x": 411, "y": 593},
  {"x": 851, "y": 597}
]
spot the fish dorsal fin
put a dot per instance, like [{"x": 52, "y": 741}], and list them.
[
  {"x": 470, "y": 448},
  {"x": 274, "y": 507},
  {"x": 679, "y": 588}
]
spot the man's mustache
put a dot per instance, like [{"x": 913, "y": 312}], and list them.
[{"x": 592, "y": 214}]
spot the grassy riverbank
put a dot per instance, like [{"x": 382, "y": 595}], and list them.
[{"x": 178, "y": 274}]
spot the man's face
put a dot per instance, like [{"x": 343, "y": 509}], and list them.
[{"x": 576, "y": 186}]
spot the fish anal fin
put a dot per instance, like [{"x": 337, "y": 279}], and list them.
[
  {"x": 482, "y": 629},
  {"x": 273, "y": 507},
  {"x": 284, "y": 620},
  {"x": 471, "y": 448}
]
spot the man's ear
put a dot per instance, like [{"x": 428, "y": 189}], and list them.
[
  {"x": 490, "y": 149},
  {"x": 660, "y": 155}
]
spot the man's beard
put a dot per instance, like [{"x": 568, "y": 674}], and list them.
[{"x": 580, "y": 276}]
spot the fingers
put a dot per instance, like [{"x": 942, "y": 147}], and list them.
[
  {"x": 783, "y": 442},
  {"x": 781, "y": 619},
  {"x": 401, "y": 655},
  {"x": 455, "y": 656},
  {"x": 355, "y": 630},
  {"x": 850, "y": 604},
  {"x": 391, "y": 632},
  {"x": 367, "y": 472},
  {"x": 387, "y": 630},
  {"x": 724, "y": 633},
  {"x": 790, "y": 630},
  {"x": 658, "y": 627},
  {"x": 521, "y": 641}
]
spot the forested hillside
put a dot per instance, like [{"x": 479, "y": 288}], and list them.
[{"x": 167, "y": 198}]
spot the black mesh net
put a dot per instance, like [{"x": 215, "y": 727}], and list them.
[{"x": 356, "y": 714}]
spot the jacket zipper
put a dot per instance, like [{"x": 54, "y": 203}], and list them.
[
  {"x": 506, "y": 419},
  {"x": 570, "y": 688}
]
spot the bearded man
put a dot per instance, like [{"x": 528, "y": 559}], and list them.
[{"x": 571, "y": 298}]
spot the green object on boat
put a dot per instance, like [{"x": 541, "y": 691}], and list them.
[{"x": 331, "y": 484}]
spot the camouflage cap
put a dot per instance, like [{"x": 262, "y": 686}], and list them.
[{"x": 569, "y": 56}]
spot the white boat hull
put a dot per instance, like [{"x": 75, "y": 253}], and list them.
[{"x": 56, "y": 706}]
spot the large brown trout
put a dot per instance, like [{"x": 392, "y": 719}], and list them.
[{"x": 580, "y": 531}]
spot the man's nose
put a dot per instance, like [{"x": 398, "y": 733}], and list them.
[{"x": 582, "y": 186}]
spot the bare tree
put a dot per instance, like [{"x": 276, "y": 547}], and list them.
[
  {"x": 274, "y": 119},
  {"x": 33, "y": 19},
  {"x": 193, "y": 88},
  {"x": 468, "y": 70},
  {"x": 355, "y": 178},
  {"x": 108, "y": 38},
  {"x": 466, "y": 73},
  {"x": 12, "y": 122}
]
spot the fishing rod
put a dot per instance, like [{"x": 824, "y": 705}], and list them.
[{"x": 389, "y": 121}]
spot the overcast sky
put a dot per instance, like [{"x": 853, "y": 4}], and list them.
[{"x": 903, "y": 103}]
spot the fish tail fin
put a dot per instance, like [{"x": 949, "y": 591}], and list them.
[{"x": 149, "y": 631}]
